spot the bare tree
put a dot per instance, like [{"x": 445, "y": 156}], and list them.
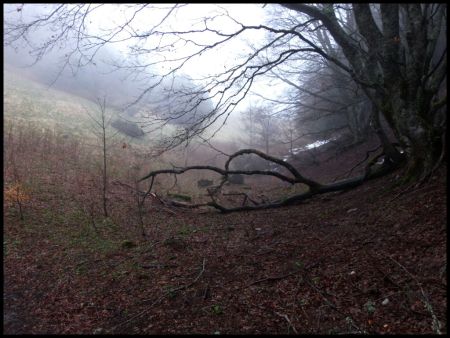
[
  {"x": 397, "y": 55},
  {"x": 101, "y": 129},
  {"x": 323, "y": 100},
  {"x": 261, "y": 127},
  {"x": 15, "y": 192},
  {"x": 401, "y": 69}
]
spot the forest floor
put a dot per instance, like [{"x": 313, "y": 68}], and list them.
[{"x": 369, "y": 260}]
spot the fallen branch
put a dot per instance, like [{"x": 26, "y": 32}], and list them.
[
  {"x": 196, "y": 278},
  {"x": 246, "y": 197},
  {"x": 314, "y": 187},
  {"x": 333, "y": 306},
  {"x": 346, "y": 174},
  {"x": 380, "y": 270},
  {"x": 165, "y": 294},
  {"x": 298, "y": 177},
  {"x": 436, "y": 324},
  {"x": 305, "y": 269},
  {"x": 307, "y": 280},
  {"x": 158, "y": 266},
  {"x": 287, "y": 319},
  {"x": 133, "y": 189},
  {"x": 274, "y": 278},
  {"x": 162, "y": 207}
]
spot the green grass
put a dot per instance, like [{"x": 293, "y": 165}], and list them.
[
  {"x": 9, "y": 246},
  {"x": 182, "y": 197},
  {"x": 27, "y": 101},
  {"x": 33, "y": 102},
  {"x": 217, "y": 309},
  {"x": 74, "y": 229}
]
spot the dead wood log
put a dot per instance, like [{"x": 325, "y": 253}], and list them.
[{"x": 314, "y": 188}]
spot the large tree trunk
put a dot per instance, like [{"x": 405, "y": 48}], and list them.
[
  {"x": 402, "y": 70},
  {"x": 422, "y": 141}
]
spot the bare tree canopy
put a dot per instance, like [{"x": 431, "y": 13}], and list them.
[{"x": 396, "y": 54}]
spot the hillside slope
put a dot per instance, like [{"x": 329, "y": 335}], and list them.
[
  {"x": 370, "y": 260},
  {"x": 30, "y": 102}
]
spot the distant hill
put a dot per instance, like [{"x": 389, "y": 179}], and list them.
[{"x": 26, "y": 100}]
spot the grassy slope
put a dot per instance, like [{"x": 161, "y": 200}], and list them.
[{"x": 31, "y": 102}]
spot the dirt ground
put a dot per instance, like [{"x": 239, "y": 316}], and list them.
[{"x": 369, "y": 260}]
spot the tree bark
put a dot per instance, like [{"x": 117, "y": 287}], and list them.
[{"x": 397, "y": 73}]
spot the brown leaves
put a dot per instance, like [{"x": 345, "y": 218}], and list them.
[
  {"x": 16, "y": 193},
  {"x": 60, "y": 282}
]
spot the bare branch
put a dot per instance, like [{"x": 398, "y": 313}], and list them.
[{"x": 314, "y": 187}]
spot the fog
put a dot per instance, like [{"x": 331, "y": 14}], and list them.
[
  {"x": 103, "y": 77},
  {"x": 107, "y": 75}
]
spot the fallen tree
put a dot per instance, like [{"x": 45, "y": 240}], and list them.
[{"x": 371, "y": 170}]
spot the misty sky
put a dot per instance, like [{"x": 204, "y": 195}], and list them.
[{"x": 187, "y": 17}]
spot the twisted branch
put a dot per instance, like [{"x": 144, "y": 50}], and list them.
[{"x": 314, "y": 187}]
